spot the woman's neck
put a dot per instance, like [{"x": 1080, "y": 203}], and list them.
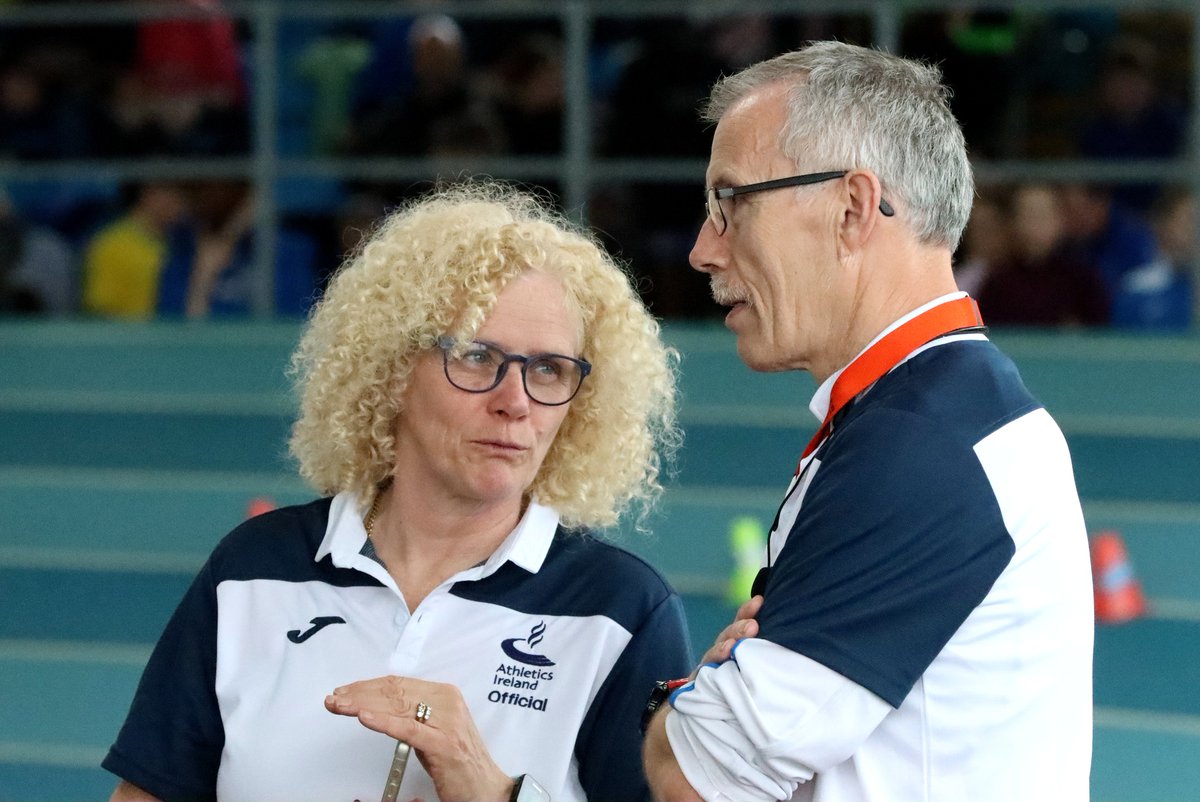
[{"x": 424, "y": 542}]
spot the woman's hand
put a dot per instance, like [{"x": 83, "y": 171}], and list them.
[{"x": 448, "y": 744}]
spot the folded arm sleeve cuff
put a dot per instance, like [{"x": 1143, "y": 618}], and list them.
[{"x": 759, "y": 726}]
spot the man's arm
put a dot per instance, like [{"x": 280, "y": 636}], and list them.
[
  {"x": 128, "y": 792},
  {"x": 666, "y": 779}
]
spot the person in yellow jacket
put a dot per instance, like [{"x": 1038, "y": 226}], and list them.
[{"x": 124, "y": 260}]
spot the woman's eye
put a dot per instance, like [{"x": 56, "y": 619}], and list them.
[
  {"x": 547, "y": 367},
  {"x": 478, "y": 356}
]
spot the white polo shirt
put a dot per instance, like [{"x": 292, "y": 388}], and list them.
[
  {"x": 544, "y": 639},
  {"x": 926, "y": 634}
]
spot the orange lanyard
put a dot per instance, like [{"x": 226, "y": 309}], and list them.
[{"x": 865, "y": 370}]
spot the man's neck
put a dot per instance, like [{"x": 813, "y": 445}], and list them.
[{"x": 878, "y": 304}]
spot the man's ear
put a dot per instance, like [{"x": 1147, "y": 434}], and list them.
[{"x": 863, "y": 196}]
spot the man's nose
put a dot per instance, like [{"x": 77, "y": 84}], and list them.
[{"x": 706, "y": 251}]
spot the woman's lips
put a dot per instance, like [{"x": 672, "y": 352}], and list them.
[{"x": 501, "y": 446}]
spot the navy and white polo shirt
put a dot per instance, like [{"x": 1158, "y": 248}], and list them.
[
  {"x": 553, "y": 641},
  {"x": 926, "y": 633}
]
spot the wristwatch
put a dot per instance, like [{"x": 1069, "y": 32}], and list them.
[
  {"x": 661, "y": 692},
  {"x": 527, "y": 789}
]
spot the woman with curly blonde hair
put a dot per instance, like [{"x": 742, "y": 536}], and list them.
[{"x": 480, "y": 387}]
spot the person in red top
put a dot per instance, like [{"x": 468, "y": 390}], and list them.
[
  {"x": 193, "y": 54},
  {"x": 191, "y": 71},
  {"x": 1040, "y": 283}
]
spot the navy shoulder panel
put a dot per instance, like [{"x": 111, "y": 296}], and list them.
[
  {"x": 970, "y": 387},
  {"x": 582, "y": 575},
  {"x": 280, "y": 545},
  {"x": 900, "y": 534}
]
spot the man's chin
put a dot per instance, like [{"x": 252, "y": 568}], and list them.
[
  {"x": 750, "y": 351},
  {"x": 759, "y": 356}
]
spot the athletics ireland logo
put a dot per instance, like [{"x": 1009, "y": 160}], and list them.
[{"x": 509, "y": 645}]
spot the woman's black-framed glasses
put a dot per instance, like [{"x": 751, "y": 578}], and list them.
[
  {"x": 549, "y": 379},
  {"x": 714, "y": 196}
]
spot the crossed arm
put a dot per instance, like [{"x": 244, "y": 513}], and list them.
[
  {"x": 128, "y": 792},
  {"x": 667, "y": 780}
]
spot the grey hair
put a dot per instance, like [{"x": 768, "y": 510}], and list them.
[{"x": 853, "y": 107}]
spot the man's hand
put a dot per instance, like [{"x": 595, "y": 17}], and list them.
[
  {"x": 743, "y": 626},
  {"x": 666, "y": 779}
]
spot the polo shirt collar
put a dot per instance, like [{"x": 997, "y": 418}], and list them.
[
  {"x": 526, "y": 546},
  {"x": 819, "y": 404}
]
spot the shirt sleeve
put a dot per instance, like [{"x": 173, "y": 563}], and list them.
[
  {"x": 609, "y": 745},
  {"x": 899, "y": 539},
  {"x": 891, "y": 551},
  {"x": 170, "y": 744},
  {"x": 760, "y": 724}
]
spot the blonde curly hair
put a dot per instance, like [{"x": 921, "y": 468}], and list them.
[{"x": 436, "y": 266}]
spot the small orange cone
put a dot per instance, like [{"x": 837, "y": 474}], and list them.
[
  {"x": 258, "y": 506},
  {"x": 1117, "y": 592}
]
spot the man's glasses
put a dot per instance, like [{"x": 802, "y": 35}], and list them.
[
  {"x": 549, "y": 379},
  {"x": 714, "y": 196}
]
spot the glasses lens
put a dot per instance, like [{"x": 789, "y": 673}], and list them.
[
  {"x": 475, "y": 369},
  {"x": 549, "y": 379},
  {"x": 712, "y": 207},
  {"x": 552, "y": 379}
]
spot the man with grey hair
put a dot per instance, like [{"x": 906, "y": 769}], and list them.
[{"x": 922, "y": 630}]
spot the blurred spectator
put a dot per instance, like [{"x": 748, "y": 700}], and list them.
[
  {"x": 388, "y": 73},
  {"x": 441, "y": 97},
  {"x": 331, "y": 64},
  {"x": 654, "y": 106},
  {"x": 976, "y": 50},
  {"x": 987, "y": 242},
  {"x": 1160, "y": 295},
  {"x": 1062, "y": 50},
  {"x": 1039, "y": 284},
  {"x": 1134, "y": 118},
  {"x": 195, "y": 56},
  {"x": 35, "y": 122},
  {"x": 356, "y": 219},
  {"x": 474, "y": 132},
  {"x": 123, "y": 262},
  {"x": 37, "y": 267},
  {"x": 210, "y": 264},
  {"x": 528, "y": 92},
  {"x": 73, "y": 207},
  {"x": 184, "y": 93},
  {"x": 131, "y": 122},
  {"x": 654, "y": 112},
  {"x": 1103, "y": 233}
]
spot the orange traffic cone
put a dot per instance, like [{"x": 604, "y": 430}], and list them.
[
  {"x": 258, "y": 506},
  {"x": 1117, "y": 592}
]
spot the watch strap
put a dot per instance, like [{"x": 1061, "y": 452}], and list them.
[{"x": 661, "y": 692}]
